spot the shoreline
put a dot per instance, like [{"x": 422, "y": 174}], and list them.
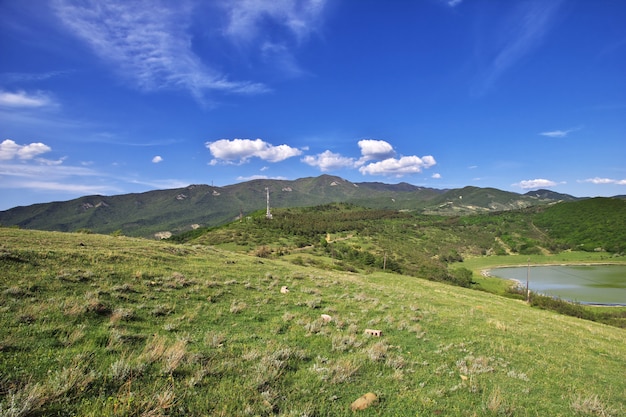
[
  {"x": 521, "y": 265},
  {"x": 486, "y": 272}
]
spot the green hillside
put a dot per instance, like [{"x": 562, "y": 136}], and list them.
[
  {"x": 417, "y": 244},
  {"x": 593, "y": 225},
  {"x": 97, "y": 325}
]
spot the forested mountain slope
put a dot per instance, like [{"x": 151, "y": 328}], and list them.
[{"x": 176, "y": 210}]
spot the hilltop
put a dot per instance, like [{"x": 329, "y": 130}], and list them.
[{"x": 172, "y": 211}]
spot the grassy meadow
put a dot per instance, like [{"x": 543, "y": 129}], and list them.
[{"x": 95, "y": 325}]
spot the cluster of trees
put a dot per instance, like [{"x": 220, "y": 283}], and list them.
[
  {"x": 313, "y": 222},
  {"x": 344, "y": 252}
]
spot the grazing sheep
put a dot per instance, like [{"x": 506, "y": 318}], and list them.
[
  {"x": 326, "y": 318},
  {"x": 284, "y": 289}
]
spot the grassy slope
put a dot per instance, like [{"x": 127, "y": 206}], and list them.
[{"x": 98, "y": 325}]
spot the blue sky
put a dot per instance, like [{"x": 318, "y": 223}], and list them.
[{"x": 119, "y": 96}]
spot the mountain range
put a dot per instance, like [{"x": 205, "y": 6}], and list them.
[{"x": 163, "y": 212}]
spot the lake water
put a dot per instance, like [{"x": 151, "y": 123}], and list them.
[{"x": 586, "y": 284}]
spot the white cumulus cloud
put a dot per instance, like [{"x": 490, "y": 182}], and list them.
[
  {"x": 241, "y": 150},
  {"x": 157, "y": 159},
  {"x": 372, "y": 149},
  {"x": 536, "y": 183},
  {"x": 399, "y": 167},
  {"x": 10, "y": 150},
  {"x": 328, "y": 161}
]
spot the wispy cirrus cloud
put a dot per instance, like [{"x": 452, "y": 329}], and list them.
[
  {"x": 149, "y": 44},
  {"x": 452, "y": 3},
  {"x": 559, "y": 133},
  {"x": 42, "y": 175},
  {"x": 158, "y": 184},
  {"x": 517, "y": 35},
  {"x": 555, "y": 133},
  {"x": 23, "y": 77},
  {"x": 24, "y": 100},
  {"x": 598, "y": 180},
  {"x": 39, "y": 171},
  {"x": 247, "y": 18},
  {"x": 64, "y": 187},
  {"x": 260, "y": 177},
  {"x": 252, "y": 24}
]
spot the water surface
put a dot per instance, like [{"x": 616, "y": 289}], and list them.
[{"x": 586, "y": 284}]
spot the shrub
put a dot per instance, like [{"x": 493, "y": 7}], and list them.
[
  {"x": 560, "y": 306},
  {"x": 263, "y": 252},
  {"x": 461, "y": 277}
]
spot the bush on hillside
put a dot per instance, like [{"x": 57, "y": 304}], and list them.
[
  {"x": 560, "y": 306},
  {"x": 461, "y": 277}
]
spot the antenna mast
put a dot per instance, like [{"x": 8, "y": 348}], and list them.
[{"x": 268, "y": 215}]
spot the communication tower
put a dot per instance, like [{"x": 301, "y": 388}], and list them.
[{"x": 268, "y": 214}]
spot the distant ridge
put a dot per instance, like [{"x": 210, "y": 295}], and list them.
[
  {"x": 550, "y": 195},
  {"x": 175, "y": 210}
]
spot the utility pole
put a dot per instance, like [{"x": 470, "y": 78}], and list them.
[{"x": 527, "y": 279}]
